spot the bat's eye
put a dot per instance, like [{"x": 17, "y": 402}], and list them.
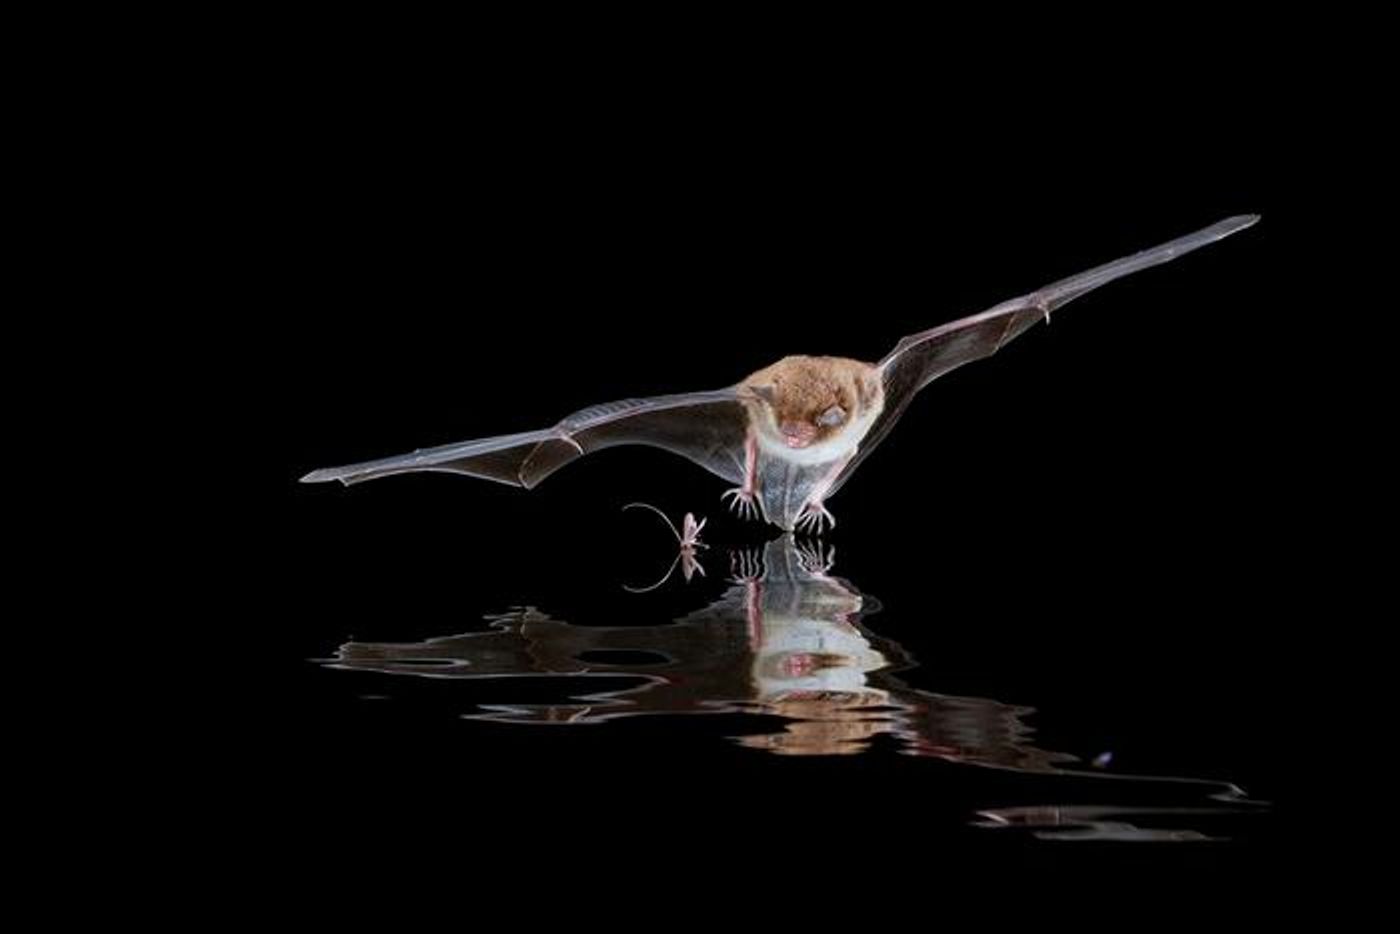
[{"x": 832, "y": 417}]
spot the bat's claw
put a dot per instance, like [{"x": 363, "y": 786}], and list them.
[
  {"x": 815, "y": 519},
  {"x": 744, "y": 505}
]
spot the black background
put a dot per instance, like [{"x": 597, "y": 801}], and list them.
[{"x": 1093, "y": 523}]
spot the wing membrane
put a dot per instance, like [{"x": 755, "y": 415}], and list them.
[
  {"x": 921, "y": 358},
  {"x": 705, "y": 427}
]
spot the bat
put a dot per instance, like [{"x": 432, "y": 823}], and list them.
[{"x": 790, "y": 435}]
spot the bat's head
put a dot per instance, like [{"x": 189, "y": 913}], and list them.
[{"x": 810, "y": 400}]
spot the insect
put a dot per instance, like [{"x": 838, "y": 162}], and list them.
[
  {"x": 790, "y": 435},
  {"x": 689, "y": 542}
]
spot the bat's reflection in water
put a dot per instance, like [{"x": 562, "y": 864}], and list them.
[{"x": 785, "y": 640}]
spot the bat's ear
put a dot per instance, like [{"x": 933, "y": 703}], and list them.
[{"x": 765, "y": 392}]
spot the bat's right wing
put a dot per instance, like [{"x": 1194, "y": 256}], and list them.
[
  {"x": 921, "y": 358},
  {"x": 708, "y": 428}
]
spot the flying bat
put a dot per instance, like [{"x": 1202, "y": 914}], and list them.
[{"x": 789, "y": 436}]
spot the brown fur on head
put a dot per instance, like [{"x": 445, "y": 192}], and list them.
[{"x": 812, "y": 399}]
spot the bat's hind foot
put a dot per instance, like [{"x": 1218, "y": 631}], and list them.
[
  {"x": 815, "y": 519},
  {"x": 744, "y": 505}
]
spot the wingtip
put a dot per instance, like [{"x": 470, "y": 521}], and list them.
[
  {"x": 318, "y": 476},
  {"x": 1239, "y": 222}
]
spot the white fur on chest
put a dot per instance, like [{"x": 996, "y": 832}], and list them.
[{"x": 823, "y": 452}]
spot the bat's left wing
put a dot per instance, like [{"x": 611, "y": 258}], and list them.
[
  {"x": 708, "y": 428},
  {"x": 921, "y": 358}
]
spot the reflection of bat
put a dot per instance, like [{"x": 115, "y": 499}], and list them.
[{"x": 789, "y": 435}]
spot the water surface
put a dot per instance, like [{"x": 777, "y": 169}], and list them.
[{"x": 789, "y": 660}]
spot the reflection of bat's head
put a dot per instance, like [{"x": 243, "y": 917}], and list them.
[{"x": 815, "y": 399}]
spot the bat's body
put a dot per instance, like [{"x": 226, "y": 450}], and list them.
[
  {"x": 789, "y": 435},
  {"x": 805, "y": 420}
]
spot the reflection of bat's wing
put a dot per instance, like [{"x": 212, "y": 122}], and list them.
[
  {"x": 921, "y": 358},
  {"x": 706, "y": 427}
]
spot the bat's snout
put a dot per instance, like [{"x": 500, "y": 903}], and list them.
[{"x": 798, "y": 434}]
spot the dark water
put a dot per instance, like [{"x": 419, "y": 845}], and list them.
[
  {"x": 788, "y": 659},
  {"x": 1060, "y": 708}
]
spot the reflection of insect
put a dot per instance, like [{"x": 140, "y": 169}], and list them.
[{"x": 689, "y": 541}]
